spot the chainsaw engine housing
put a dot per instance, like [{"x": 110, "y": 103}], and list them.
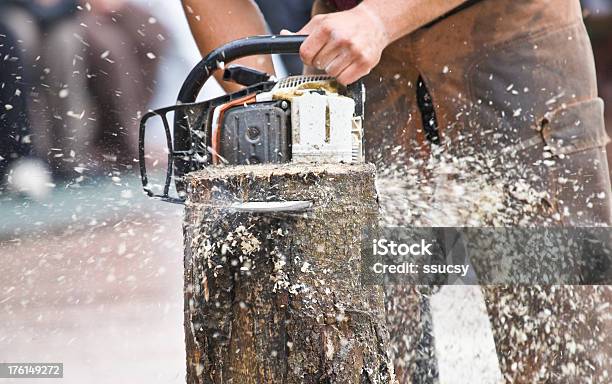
[{"x": 301, "y": 119}]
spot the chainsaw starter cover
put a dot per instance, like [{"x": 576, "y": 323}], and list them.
[{"x": 257, "y": 133}]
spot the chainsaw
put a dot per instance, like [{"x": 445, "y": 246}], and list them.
[{"x": 301, "y": 119}]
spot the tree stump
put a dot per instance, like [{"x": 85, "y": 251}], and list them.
[{"x": 277, "y": 297}]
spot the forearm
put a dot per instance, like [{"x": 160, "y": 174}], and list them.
[
  {"x": 402, "y": 17},
  {"x": 214, "y": 23},
  {"x": 349, "y": 44}
]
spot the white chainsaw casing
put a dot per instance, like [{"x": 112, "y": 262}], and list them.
[{"x": 322, "y": 128}]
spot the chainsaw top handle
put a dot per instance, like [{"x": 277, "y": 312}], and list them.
[{"x": 250, "y": 46}]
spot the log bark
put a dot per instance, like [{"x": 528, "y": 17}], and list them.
[{"x": 277, "y": 298}]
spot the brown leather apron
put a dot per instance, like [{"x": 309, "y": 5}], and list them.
[{"x": 522, "y": 72}]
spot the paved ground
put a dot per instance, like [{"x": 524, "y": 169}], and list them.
[
  {"x": 98, "y": 287},
  {"x": 93, "y": 278}
]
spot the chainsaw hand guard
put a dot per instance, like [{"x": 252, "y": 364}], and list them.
[{"x": 194, "y": 109}]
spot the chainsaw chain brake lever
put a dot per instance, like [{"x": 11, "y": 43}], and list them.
[{"x": 244, "y": 75}]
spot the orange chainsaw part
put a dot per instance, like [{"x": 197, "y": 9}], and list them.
[{"x": 216, "y": 129}]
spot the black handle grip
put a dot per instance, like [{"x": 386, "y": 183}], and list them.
[{"x": 256, "y": 45}]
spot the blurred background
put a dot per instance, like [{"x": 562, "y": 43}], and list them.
[{"x": 90, "y": 269}]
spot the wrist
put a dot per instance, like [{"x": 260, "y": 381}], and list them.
[{"x": 374, "y": 16}]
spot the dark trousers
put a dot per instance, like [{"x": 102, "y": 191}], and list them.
[{"x": 287, "y": 14}]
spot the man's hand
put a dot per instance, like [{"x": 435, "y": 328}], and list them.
[{"x": 346, "y": 45}]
